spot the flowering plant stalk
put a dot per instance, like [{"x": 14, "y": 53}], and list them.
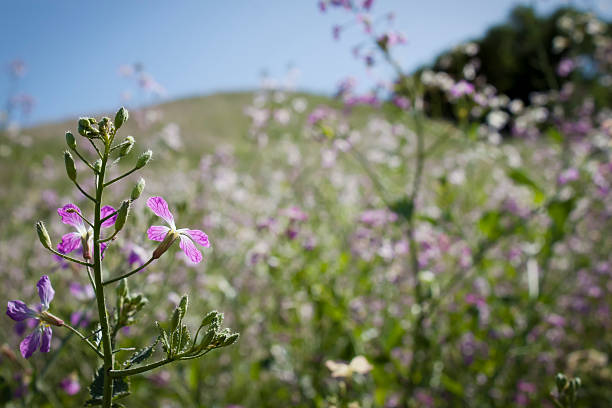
[{"x": 110, "y": 381}]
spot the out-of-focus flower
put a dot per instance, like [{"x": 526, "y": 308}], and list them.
[
  {"x": 70, "y": 384},
  {"x": 358, "y": 365}
]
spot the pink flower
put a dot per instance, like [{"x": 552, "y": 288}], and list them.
[
  {"x": 83, "y": 237},
  {"x": 70, "y": 385},
  {"x": 169, "y": 234},
  {"x": 41, "y": 336}
]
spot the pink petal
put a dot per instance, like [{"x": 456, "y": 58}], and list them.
[
  {"x": 46, "y": 340},
  {"x": 160, "y": 208},
  {"x": 18, "y": 311},
  {"x": 190, "y": 249},
  {"x": 29, "y": 345},
  {"x": 157, "y": 232},
  {"x": 105, "y": 212},
  {"x": 198, "y": 236},
  {"x": 70, "y": 242},
  {"x": 45, "y": 291},
  {"x": 71, "y": 218}
]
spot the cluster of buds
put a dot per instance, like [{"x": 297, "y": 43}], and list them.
[{"x": 567, "y": 390}]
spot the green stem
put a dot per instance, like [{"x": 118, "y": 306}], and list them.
[
  {"x": 89, "y": 343},
  {"x": 70, "y": 258},
  {"x": 101, "y": 301},
  {"x": 84, "y": 160},
  {"x": 125, "y": 275},
  {"x": 84, "y": 192},
  {"x": 120, "y": 177},
  {"x": 139, "y": 370}
]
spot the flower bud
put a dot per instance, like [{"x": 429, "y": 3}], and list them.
[
  {"x": 70, "y": 167},
  {"x": 126, "y": 146},
  {"x": 97, "y": 165},
  {"x": 121, "y": 117},
  {"x": 231, "y": 339},
  {"x": 137, "y": 190},
  {"x": 171, "y": 236},
  {"x": 43, "y": 235},
  {"x": 70, "y": 140},
  {"x": 51, "y": 319},
  {"x": 561, "y": 381},
  {"x": 84, "y": 126},
  {"x": 208, "y": 319},
  {"x": 144, "y": 159},
  {"x": 206, "y": 340},
  {"x": 122, "y": 215},
  {"x": 122, "y": 289}
]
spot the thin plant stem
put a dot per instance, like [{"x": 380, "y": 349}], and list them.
[
  {"x": 89, "y": 343},
  {"x": 125, "y": 275},
  {"x": 68, "y": 258},
  {"x": 139, "y": 370},
  {"x": 120, "y": 177},
  {"x": 84, "y": 160},
  {"x": 84, "y": 192}
]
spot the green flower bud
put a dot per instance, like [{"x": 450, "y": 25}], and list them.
[
  {"x": 137, "y": 190},
  {"x": 97, "y": 165},
  {"x": 43, "y": 235},
  {"x": 70, "y": 167},
  {"x": 231, "y": 339},
  {"x": 561, "y": 381},
  {"x": 206, "y": 340},
  {"x": 84, "y": 126},
  {"x": 121, "y": 117},
  {"x": 122, "y": 215},
  {"x": 126, "y": 146},
  {"x": 144, "y": 159},
  {"x": 122, "y": 289},
  {"x": 208, "y": 319},
  {"x": 70, "y": 140},
  {"x": 183, "y": 305}
]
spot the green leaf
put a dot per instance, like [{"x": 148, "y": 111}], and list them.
[
  {"x": 403, "y": 207},
  {"x": 520, "y": 177},
  {"x": 489, "y": 224},
  {"x": 141, "y": 355},
  {"x": 121, "y": 388}
]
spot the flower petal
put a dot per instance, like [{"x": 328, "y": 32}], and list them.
[
  {"x": 69, "y": 243},
  {"x": 18, "y": 311},
  {"x": 29, "y": 345},
  {"x": 190, "y": 249},
  {"x": 160, "y": 208},
  {"x": 105, "y": 212},
  {"x": 198, "y": 236},
  {"x": 45, "y": 291},
  {"x": 71, "y": 218},
  {"x": 157, "y": 232},
  {"x": 45, "y": 346}
]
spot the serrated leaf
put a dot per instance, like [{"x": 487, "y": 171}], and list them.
[
  {"x": 163, "y": 337},
  {"x": 141, "y": 355},
  {"x": 121, "y": 388},
  {"x": 180, "y": 339}
]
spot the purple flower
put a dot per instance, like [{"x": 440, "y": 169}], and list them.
[
  {"x": 568, "y": 175},
  {"x": 75, "y": 240},
  {"x": 187, "y": 236},
  {"x": 461, "y": 88},
  {"x": 41, "y": 336},
  {"x": 70, "y": 385}
]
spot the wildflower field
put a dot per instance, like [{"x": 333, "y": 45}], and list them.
[{"x": 436, "y": 242}]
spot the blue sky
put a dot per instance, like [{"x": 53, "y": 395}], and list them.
[{"x": 73, "y": 49}]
